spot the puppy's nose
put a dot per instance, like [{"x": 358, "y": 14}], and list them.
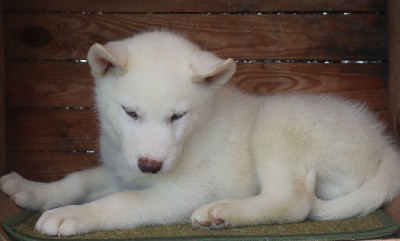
[{"x": 147, "y": 165}]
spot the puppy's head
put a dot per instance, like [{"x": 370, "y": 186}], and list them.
[{"x": 152, "y": 92}]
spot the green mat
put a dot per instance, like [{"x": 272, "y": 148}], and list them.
[{"x": 375, "y": 225}]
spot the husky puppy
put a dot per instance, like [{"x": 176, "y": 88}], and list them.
[{"x": 178, "y": 145}]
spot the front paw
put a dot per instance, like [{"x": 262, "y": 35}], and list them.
[
  {"x": 213, "y": 216},
  {"x": 22, "y": 192},
  {"x": 68, "y": 221}
]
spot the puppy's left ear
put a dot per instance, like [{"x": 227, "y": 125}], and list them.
[{"x": 209, "y": 69}]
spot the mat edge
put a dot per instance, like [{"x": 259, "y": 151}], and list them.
[{"x": 390, "y": 227}]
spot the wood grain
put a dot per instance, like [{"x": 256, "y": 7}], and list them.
[
  {"x": 50, "y": 166},
  {"x": 336, "y": 37},
  {"x": 361, "y": 82},
  {"x": 60, "y": 84},
  {"x": 394, "y": 64},
  {"x": 144, "y": 6},
  {"x": 52, "y": 130},
  {"x": 49, "y": 84}
]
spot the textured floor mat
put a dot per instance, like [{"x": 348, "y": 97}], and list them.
[{"x": 375, "y": 225}]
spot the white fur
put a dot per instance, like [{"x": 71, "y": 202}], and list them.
[{"x": 231, "y": 159}]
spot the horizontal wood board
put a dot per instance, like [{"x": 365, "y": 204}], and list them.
[
  {"x": 265, "y": 36},
  {"x": 193, "y": 6},
  {"x": 69, "y": 84},
  {"x": 53, "y": 127}
]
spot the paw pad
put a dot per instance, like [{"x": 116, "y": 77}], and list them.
[{"x": 219, "y": 221}]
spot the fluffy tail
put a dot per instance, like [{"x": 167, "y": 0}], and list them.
[{"x": 372, "y": 194}]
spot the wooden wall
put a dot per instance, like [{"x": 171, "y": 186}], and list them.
[
  {"x": 280, "y": 45},
  {"x": 2, "y": 99},
  {"x": 393, "y": 209},
  {"x": 394, "y": 63}
]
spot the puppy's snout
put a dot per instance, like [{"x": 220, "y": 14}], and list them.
[{"x": 147, "y": 165}]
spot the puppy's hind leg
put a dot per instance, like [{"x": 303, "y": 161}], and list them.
[{"x": 292, "y": 204}]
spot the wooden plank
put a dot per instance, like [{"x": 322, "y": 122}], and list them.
[
  {"x": 50, "y": 166},
  {"x": 44, "y": 130},
  {"x": 336, "y": 37},
  {"x": 394, "y": 64},
  {"x": 49, "y": 84},
  {"x": 52, "y": 130},
  {"x": 60, "y": 84},
  {"x": 3, "y": 164},
  {"x": 144, "y": 6},
  {"x": 361, "y": 82}
]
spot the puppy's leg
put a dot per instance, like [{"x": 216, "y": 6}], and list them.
[
  {"x": 285, "y": 199},
  {"x": 73, "y": 188},
  {"x": 166, "y": 204}
]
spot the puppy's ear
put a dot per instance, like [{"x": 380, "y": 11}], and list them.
[
  {"x": 209, "y": 69},
  {"x": 103, "y": 59}
]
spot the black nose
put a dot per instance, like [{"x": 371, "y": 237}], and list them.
[{"x": 147, "y": 165}]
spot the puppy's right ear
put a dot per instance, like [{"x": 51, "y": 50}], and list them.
[{"x": 104, "y": 59}]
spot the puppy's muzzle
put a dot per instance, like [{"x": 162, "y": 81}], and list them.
[{"x": 147, "y": 165}]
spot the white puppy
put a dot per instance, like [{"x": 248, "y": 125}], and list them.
[{"x": 177, "y": 145}]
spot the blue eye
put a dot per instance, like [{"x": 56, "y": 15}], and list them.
[
  {"x": 176, "y": 116},
  {"x": 131, "y": 113}
]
